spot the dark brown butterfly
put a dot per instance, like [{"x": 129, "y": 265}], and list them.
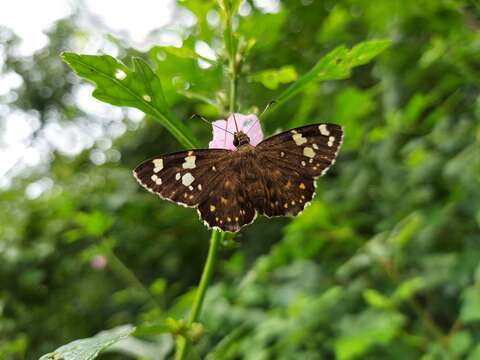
[{"x": 229, "y": 187}]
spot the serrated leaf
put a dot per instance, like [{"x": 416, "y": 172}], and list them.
[
  {"x": 88, "y": 349},
  {"x": 272, "y": 78},
  {"x": 336, "y": 65},
  {"x": 119, "y": 85}
]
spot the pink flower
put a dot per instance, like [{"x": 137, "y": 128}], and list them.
[
  {"x": 249, "y": 124},
  {"x": 98, "y": 262}
]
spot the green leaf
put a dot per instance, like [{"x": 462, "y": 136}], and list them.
[
  {"x": 362, "y": 332},
  {"x": 186, "y": 53},
  {"x": 272, "y": 78},
  {"x": 140, "y": 88},
  {"x": 376, "y": 299},
  {"x": 87, "y": 349},
  {"x": 470, "y": 311},
  {"x": 336, "y": 65},
  {"x": 408, "y": 288}
]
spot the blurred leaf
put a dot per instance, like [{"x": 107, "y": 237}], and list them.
[
  {"x": 121, "y": 86},
  {"x": 470, "y": 311},
  {"x": 360, "y": 333},
  {"x": 187, "y": 53},
  {"x": 95, "y": 223},
  {"x": 461, "y": 342},
  {"x": 272, "y": 78},
  {"x": 336, "y": 65},
  {"x": 88, "y": 349},
  {"x": 407, "y": 289},
  {"x": 375, "y": 299}
]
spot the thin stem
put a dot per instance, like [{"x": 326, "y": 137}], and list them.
[{"x": 208, "y": 269}]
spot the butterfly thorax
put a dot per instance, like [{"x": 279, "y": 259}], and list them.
[{"x": 240, "y": 139}]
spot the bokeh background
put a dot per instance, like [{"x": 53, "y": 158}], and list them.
[{"x": 385, "y": 264}]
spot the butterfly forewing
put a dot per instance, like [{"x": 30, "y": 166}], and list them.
[
  {"x": 182, "y": 177},
  {"x": 291, "y": 162}
]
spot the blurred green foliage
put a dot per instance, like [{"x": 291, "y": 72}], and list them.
[{"x": 384, "y": 264}]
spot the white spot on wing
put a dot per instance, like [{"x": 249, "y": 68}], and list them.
[
  {"x": 323, "y": 130},
  {"x": 331, "y": 139},
  {"x": 158, "y": 165},
  {"x": 189, "y": 162},
  {"x": 177, "y": 176},
  {"x": 299, "y": 139},
  {"x": 308, "y": 152},
  {"x": 187, "y": 179}
]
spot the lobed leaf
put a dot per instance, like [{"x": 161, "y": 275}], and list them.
[
  {"x": 88, "y": 349},
  {"x": 139, "y": 87}
]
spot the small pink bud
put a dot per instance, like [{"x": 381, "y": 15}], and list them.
[
  {"x": 98, "y": 262},
  {"x": 249, "y": 124}
]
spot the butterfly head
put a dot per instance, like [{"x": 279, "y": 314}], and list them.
[{"x": 240, "y": 138}]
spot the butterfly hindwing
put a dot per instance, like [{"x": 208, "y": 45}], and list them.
[
  {"x": 183, "y": 177},
  {"x": 227, "y": 206}
]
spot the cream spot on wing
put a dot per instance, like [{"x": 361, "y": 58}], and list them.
[
  {"x": 236, "y": 218},
  {"x": 310, "y": 161},
  {"x": 299, "y": 139},
  {"x": 331, "y": 139},
  {"x": 120, "y": 74},
  {"x": 282, "y": 154},
  {"x": 187, "y": 179},
  {"x": 158, "y": 165},
  {"x": 147, "y": 98},
  {"x": 301, "y": 186},
  {"x": 293, "y": 131},
  {"x": 177, "y": 176},
  {"x": 156, "y": 179},
  {"x": 212, "y": 208},
  {"x": 190, "y": 188},
  {"x": 315, "y": 146},
  {"x": 308, "y": 152},
  {"x": 214, "y": 168},
  {"x": 229, "y": 219},
  {"x": 189, "y": 162},
  {"x": 323, "y": 130},
  {"x": 190, "y": 153},
  {"x": 199, "y": 186},
  {"x": 223, "y": 200},
  {"x": 185, "y": 195},
  {"x": 304, "y": 163},
  {"x": 216, "y": 219},
  {"x": 285, "y": 205},
  {"x": 293, "y": 202}
]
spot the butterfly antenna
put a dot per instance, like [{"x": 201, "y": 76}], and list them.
[
  {"x": 210, "y": 123},
  {"x": 261, "y": 114},
  {"x": 235, "y": 121}
]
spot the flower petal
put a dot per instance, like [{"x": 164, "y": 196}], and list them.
[{"x": 246, "y": 123}]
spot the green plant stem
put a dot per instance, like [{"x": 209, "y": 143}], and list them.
[{"x": 207, "y": 273}]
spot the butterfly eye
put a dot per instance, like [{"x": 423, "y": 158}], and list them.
[{"x": 235, "y": 140}]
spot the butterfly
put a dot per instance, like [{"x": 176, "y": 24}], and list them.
[{"x": 230, "y": 187}]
